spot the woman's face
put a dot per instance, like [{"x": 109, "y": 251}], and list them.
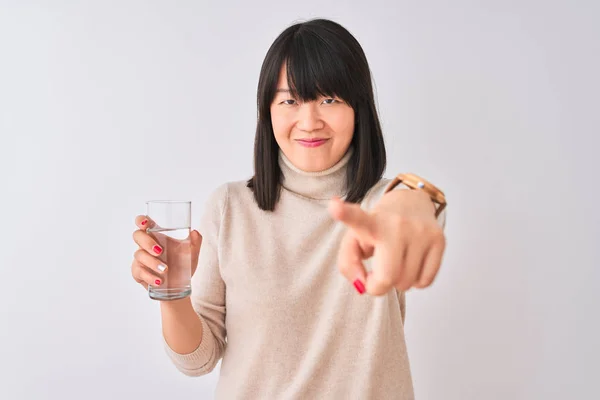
[{"x": 314, "y": 135}]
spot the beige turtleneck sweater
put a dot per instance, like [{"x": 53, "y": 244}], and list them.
[{"x": 275, "y": 308}]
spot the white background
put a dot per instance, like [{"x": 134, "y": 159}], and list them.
[{"x": 106, "y": 104}]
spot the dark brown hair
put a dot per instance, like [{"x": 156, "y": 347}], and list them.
[{"x": 322, "y": 59}]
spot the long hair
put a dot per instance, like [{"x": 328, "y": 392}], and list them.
[{"x": 322, "y": 59}]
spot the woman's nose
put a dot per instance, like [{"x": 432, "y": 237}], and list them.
[{"x": 309, "y": 118}]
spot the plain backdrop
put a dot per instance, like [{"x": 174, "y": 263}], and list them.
[{"x": 107, "y": 104}]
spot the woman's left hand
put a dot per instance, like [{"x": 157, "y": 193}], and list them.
[{"x": 401, "y": 233}]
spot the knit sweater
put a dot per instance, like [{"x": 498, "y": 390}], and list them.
[{"x": 275, "y": 308}]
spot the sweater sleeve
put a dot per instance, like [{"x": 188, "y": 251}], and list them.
[{"x": 208, "y": 294}]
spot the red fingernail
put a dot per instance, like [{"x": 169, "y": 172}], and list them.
[
  {"x": 157, "y": 249},
  {"x": 157, "y": 281},
  {"x": 360, "y": 287},
  {"x": 144, "y": 222}
]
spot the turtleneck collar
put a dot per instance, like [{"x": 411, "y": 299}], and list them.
[{"x": 322, "y": 185}]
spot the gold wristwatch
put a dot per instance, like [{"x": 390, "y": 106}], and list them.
[{"x": 416, "y": 182}]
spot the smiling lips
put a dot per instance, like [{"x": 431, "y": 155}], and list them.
[{"x": 315, "y": 142}]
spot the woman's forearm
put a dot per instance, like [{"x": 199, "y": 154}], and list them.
[{"x": 181, "y": 326}]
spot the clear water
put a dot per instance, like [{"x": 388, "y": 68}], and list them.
[{"x": 177, "y": 255}]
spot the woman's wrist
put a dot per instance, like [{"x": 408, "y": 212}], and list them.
[{"x": 176, "y": 305}]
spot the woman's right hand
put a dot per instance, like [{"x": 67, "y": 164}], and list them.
[{"x": 148, "y": 267}]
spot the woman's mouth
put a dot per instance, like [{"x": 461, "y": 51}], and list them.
[{"x": 313, "y": 142}]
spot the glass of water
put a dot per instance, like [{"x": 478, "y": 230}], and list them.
[{"x": 170, "y": 227}]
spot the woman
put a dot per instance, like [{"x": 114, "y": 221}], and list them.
[{"x": 267, "y": 297}]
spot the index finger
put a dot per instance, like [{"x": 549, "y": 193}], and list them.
[
  {"x": 354, "y": 217},
  {"x": 144, "y": 222}
]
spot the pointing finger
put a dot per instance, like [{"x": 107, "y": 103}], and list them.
[{"x": 353, "y": 217}]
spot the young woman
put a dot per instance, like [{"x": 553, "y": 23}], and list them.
[{"x": 301, "y": 274}]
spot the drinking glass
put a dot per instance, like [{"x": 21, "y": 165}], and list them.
[{"x": 170, "y": 227}]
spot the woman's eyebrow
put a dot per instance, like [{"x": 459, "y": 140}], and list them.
[{"x": 282, "y": 91}]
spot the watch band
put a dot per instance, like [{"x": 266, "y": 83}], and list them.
[{"x": 416, "y": 182}]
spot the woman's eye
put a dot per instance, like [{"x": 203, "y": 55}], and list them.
[
  {"x": 289, "y": 102},
  {"x": 329, "y": 101}
]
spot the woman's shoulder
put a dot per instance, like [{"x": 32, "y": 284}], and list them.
[{"x": 221, "y": 195}]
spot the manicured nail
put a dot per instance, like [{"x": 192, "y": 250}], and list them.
[
  {"x": 360, "y": 287},
  {"x": 157, "y": 249},
  {"x": 157, "y": 282},
  {"x": 161, "y": 267},
  {"x": 144, "y": 222}
]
